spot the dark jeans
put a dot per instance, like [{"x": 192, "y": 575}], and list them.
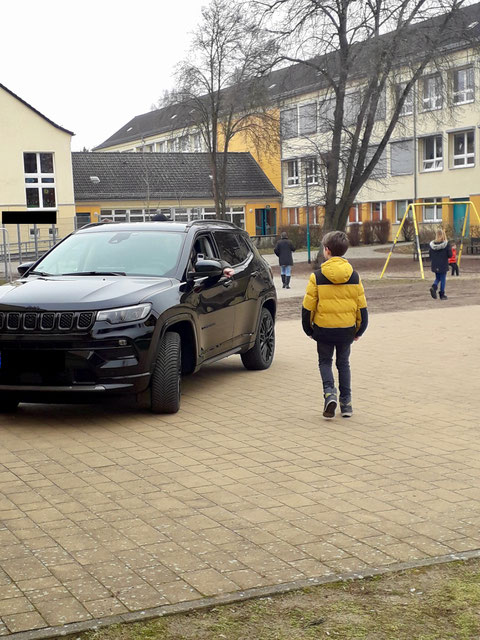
[
  {"x": 440, "y": 279},
  {"x": 325, "y": 360},
  {"x": 454, "y": 266}
]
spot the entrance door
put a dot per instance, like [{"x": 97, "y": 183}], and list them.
[
  {"x": 266, "y": 222},
  {"x": 459, "y": 213}
]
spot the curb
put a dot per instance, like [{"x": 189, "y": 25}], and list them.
[{"x": 231, "y": 598}]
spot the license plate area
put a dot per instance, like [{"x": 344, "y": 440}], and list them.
[{"x": 26, "y": 367}]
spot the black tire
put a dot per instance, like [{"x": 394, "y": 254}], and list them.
[
  {"x": 166, "y": 378},
  {"x": 8, "y": 402},
  {"x": 260, "y": 356}
]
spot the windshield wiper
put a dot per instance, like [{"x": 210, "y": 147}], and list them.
[
  {"x": 38, "y": 273},
  {"x": 95, "y": 273}
]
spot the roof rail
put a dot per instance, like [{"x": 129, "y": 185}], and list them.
[{"x": 212, "y": 221}]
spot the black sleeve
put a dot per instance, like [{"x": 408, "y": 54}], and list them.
[
  {"x": 364, "y": 323},
  {"x": 449, "y": 250},
  {"x": 275, "y": 250},
  {"x": 306, "y": 324},
  {"x": 292, "y": 247}
]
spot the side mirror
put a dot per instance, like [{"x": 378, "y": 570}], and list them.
[
  {"x": 207, "y": 269},
  {"x": 25, "y": 266}
]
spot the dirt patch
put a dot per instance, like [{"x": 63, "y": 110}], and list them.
[
  {"x": 427, "y": 603},
  {"x": 401, "y": 289}
]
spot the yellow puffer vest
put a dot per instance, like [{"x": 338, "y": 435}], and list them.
[{"x": 334, "y": 297}]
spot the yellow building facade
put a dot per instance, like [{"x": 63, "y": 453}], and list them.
[{"x": 35, "y": 171}]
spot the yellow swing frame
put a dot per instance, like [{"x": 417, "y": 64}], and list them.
[{"x": 411, "y": 207}]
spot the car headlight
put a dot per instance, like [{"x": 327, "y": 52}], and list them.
[{"x": 125, "y": 314}]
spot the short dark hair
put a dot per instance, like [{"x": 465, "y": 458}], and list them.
[{"x": 336, "y": 242}]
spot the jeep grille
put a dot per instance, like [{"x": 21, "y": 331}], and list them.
[{"x": 39, "y": 322}]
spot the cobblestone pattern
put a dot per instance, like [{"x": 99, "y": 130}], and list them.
[{"x": 109, "y": 510}]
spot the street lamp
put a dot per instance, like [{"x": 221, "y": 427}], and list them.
[{"x": 308, "y": 212}]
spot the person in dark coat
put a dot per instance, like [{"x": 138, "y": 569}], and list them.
[
  {"x": 440, "y": 252},
  {"x": 284, "y": 250},
  {"x": 160, "y": 217}
]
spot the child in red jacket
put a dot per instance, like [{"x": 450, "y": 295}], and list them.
[{"x": 453, "y": 261}]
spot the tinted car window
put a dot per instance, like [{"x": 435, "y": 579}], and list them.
[
  {"x": 149, "y": 253},
  {"x": 231, "y": 247}
]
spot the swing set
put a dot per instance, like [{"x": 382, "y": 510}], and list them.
[{"x": 411, "y": 207}]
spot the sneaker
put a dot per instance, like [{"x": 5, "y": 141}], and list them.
[
  {"x": 346, "y": 410},
  {"x": 433, "y": 291},
  {"x": 330, "y": 406}
]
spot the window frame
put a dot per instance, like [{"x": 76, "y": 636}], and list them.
[
  {"x": 437, "y": 98},
  {"x": 398, "y": 219},
  {"x": 437, "y": 205},
  {"x": 469, "y": 71},
  {"x": 357, "y": 211},
  {"x": 293, "y": 210},
  {"x": 40, "y": 180},
  {"x": 311, "y": 178},
  {"x": 409, "y": 100},
  {"x": 437, "y": 161},
  {"x": 293, "y": 180},
  {"x": 466, "y": 155},
  {"x": 383, "y": 206}
]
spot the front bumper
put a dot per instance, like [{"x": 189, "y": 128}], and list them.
[{"x": 105, "y": 360}]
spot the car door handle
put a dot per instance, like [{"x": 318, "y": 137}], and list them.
[{"x": 228, "y": 282}]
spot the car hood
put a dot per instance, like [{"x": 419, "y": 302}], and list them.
[{"x": 79, "y": 293}]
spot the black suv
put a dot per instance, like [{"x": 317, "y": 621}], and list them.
[{"x": 130, "y": 308}]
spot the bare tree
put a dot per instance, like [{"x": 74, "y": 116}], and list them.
[
  {"x": 222, "y": 83},
  {"x": 358, "y": 51}
]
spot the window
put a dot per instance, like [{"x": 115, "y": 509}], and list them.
[
  {"x": 39, "y": 180},
  {"x": 464, "y": 149},
  {"x": 463, "y": 86},
  {"x": 401, "y": 158},
  {"x": 197, "y": 142},
  {"x": 400, "y": 208},
  {"x": 381, "y": 106},
  {"x": 432, "y": 92},
  {"x": 312, "y": 215},
  {"x": 380, "y": 169},
  {"x": 34, "y": 232},
  {"x": 432, "y": 153},
  {"x": 407, "y": 108},
  {"x": 183, "y": 143},
  {"x": 307, "y": 118},
  {"x": 326, "y": 114},
  {"x": 230, "y": 248},
  {"x": 172, "y": 145},
  {"x": 292, "y": 173},
  {"x": 161, "y": 146},
  {"x": 289, "y": 123},
  {"x": 351, "y": 108},
  {"x": 311, "y": 170},
  {"x": 292, "y": 215},
  {"x": 378, "y": 210},
  {"x": 432, "y": 210},
  {"x": 354, "y": 215}
]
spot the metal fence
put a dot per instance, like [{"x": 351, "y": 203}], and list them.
[{"x": 14, "y": 250}]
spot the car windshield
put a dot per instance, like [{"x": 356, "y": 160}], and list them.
[{"x": 130, "y": 253}]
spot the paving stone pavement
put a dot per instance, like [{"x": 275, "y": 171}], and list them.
[{"x": 110, "y": 510}]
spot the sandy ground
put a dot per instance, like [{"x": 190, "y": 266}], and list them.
[{"x": 401, "y": 288}]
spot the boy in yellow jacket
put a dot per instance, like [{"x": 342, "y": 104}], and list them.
[{"x": 334, "y": 313}]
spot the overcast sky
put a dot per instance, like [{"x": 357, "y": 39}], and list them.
[{"x": 92, "y": 65}]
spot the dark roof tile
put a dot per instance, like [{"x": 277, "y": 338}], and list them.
[{"x": 164, "y": 176}]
